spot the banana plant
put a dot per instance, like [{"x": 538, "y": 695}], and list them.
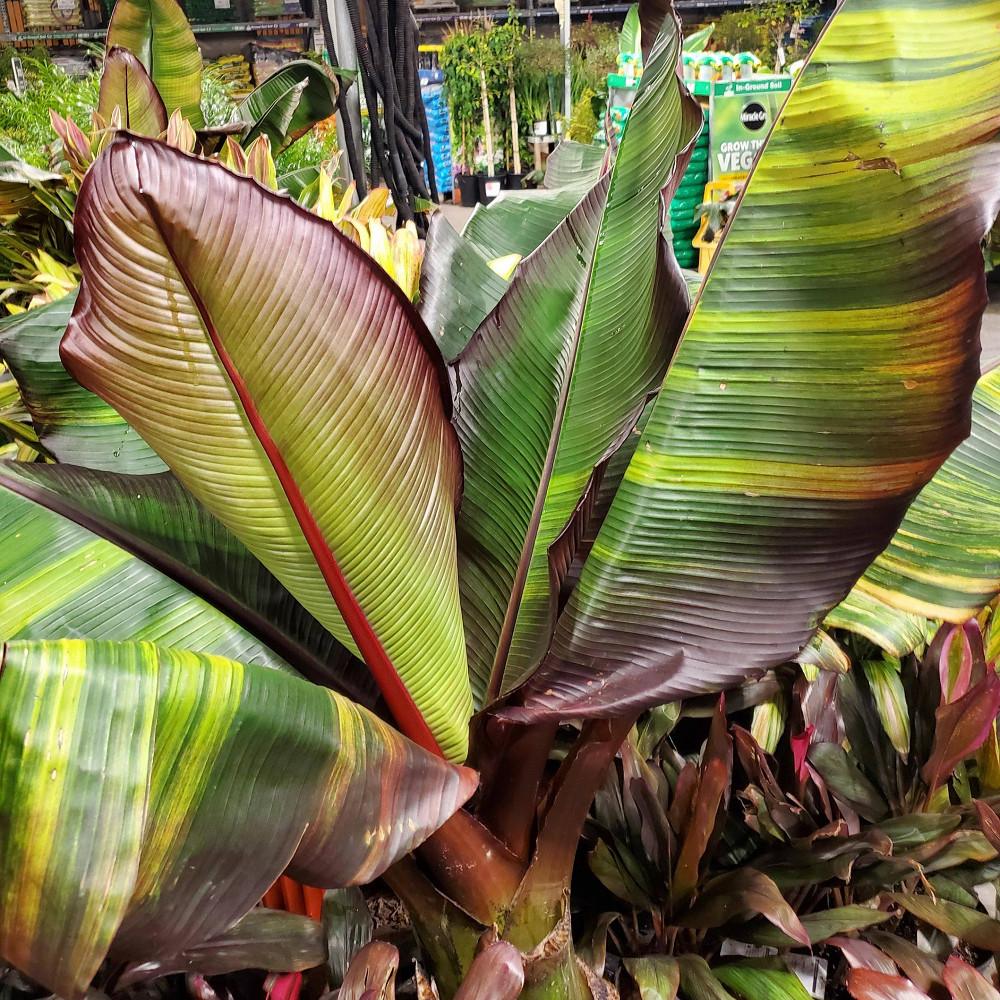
[{"x": 577, "y": 500}]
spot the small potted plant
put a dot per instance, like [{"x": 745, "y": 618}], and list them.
[{"x": 462, "y": 82}]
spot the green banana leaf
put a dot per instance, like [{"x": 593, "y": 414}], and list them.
[
  {"x": 172, "y": 568},
  {"x": 944, "y": 561},
  {"x": 348, "y": 925},
  {"x": 73, "y": 424},
  {"x": 158, "y": 34},
  {"x": 629, "y": 39},
  {"x": 520, "y": 221},
  {"x": 289, "y": 103},
  {"x": 310, "y": 414},
  {"x": 458, "y": 288},
  {"x": 574, "y": 163},
  {"x": 135, "y": 827},
  {"x": 126, "y": 85},
  {"x": 556, "y": 377},
  {"x": 295, "y": 182},
  {"x": 823, "y": 378},
  {"x": 695, "y": 42},
  {"x": 59, "y": 579}
]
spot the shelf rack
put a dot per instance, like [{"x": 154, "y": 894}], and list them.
[{"x": 84, "y": 34}]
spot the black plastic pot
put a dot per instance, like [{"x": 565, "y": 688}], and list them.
[
  {"x": 490, "y": 187},
  {"x": 514, "y": 182},
  {"x": 468, "y": 189}
]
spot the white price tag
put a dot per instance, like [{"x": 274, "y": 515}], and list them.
[
  {"x": 731, "y": 947},
  {"x": 811, "y": 972}
]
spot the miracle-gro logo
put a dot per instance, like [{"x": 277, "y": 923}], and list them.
[{"x": 753, "y": 116}]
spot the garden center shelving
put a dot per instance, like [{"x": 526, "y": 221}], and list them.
[{"x": 91, "y": 24}]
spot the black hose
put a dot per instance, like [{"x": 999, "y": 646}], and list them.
[
  {"x": 403, "y": 207},
  {"x": 389, "y": 68}
]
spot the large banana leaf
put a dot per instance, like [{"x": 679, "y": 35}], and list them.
[
  {"x": 126, "y": 85},
  {"x": 158, "y": 34},
  {"x": 944, "y": 561},
  {"x": 171, "y": 568},
  {"x": 823, "y": 378},
  {"x": 73, "y": 424},
  {"x": 133, "y": 823},
  {"x": 289, "y": 103},
  {"x": 556, "y": 377},
  {"x": 458, "y": 288},
  {"x": 297, "y": 394}
]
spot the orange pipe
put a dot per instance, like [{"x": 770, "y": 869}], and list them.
[{"x": 314, "y": 901}]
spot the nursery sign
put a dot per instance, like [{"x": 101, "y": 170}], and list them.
[{"x": 741, "y": 115}]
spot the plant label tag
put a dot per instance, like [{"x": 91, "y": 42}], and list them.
[
  {"x": 987, "y": 895},
  {"x": 492, "y": 187},
  {"x": 222, "y": 4},
  {"x": 811, "y": 972},
  {"x": 731, "y": 947}
]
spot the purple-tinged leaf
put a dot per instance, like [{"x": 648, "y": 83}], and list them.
[
  {"x": 966, "y": 983},
  {"x": 742, "y": 892},
  {"x": 922, "y": 968},
  {"x": 348, "y": 469},
  {"x": 126, "y": 85},
  {"x": 866, "y": 984},
  {"x": 264, "y": 939},
  {"x": 496, "y": 973},
  {"x": 372, "y": 970},
  {"x": 961, "y": 728},
  {"x": 989, "y": 823},
  {"x": 846, "y": 781},
  {"x": 955, "y": 663},
  {"x": 863, "y": 955}
]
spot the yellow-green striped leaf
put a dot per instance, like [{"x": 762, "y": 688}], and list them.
[
  {"x": 127, "y": 86},
  {"x": 158, "y": 34},
  {"x": 890, "y": 700},
  {"x": 310, "y": 414},
  {"x": 150, "y": 796},
  {"x": 823, "y": 378},
  {"x": 102, "y": 556},
  {"x": 944, "y": 561}
]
